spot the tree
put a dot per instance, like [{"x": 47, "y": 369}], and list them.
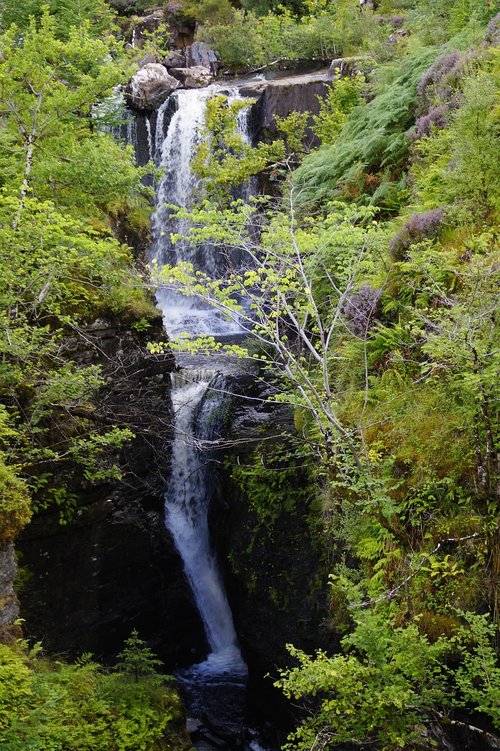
[
  {"x": 224, "y": 160},
  {"x": 60, "y": 265},
  {"x": 138, "y": 660},
  {"x": 95, "y": 15},
  {"x": 297, "y": 279},
  {"x": 48, "y": 88}
]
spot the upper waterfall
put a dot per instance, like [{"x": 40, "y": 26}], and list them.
[
  {"x": 179, "y": 186},
  {"x": 199, "y": 396}
]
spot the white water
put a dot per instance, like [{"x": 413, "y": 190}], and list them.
[
  {"x": 179, "y": 186},
  {"x": 186, "y": 507}
]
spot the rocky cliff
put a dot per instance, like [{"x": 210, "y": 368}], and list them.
[{"x": 113, "y": 568}]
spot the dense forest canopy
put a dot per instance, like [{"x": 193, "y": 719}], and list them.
[{"x": 373, "y": 290}]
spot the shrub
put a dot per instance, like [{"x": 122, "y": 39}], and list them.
[
  {"x": 14, "y": 503},
  {"x": 373, "y": 137},
  {"x": 419, "y": 227},
  {"x": 52, "y": 706}
]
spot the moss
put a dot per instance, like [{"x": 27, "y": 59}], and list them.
[{"x": 15, "y": 510}]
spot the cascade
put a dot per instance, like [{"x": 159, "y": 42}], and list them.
[
  {"x": 197, "y": 408},
  {"x": 214, "y": 689},
  {"x": 187, "y": 494},
  {"x": 179, "y": 186}
]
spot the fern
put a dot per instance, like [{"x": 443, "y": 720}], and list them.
[{"x": 372, "y": 138}]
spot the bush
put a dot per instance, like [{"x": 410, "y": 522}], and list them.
[
  {"x": 53, "y": 706},
  {"x": 360, "y": 310},
  {"x": 390, "y": 682},
  {"x": 419, "y": 227},
  {"x": 459, "y": 164},
  {"x": 14, "y": 503}
]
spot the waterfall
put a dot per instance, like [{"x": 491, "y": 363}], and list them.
[
  {"x": 186, "y": 514},
  {"x": 179, "y": 186},
  {"x": 199, "y": 396}
]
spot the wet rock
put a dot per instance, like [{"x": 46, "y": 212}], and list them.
[
  {"x": 280, "y": 97},
  {"x": 150, "y": 87},
  {"x": 145, "y": 26},
  {"x": 345, "y": 66},
  {"x": 192, "y": 78},
  {"x": 200, "y": 54},
  {"x": 193, "y": 725}
]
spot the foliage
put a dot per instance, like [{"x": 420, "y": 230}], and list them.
[
  {"x": 14, "y": 494},
  {"x": 292, "y": 129},
  {"x": 53, "y": 706},
  {"x": 419, "y": 227},
  {"x": 96, "y": 15},
  {"x": 457, "y": 164},
  {"x": 261, "y": 7},
  {"x": 325, "y": 30},
  {"x": 137, "y": 659},
  {"x": 270, "y": 483},
  {"x": 343, "y": 95},
  {"x": 373, "y": 138},
  {"x": 390, "y": 683},
  {"x": 61, "y": 267},
  {"x": 48, "y": 89},
  {"x": 437, "y": 21},
  {"x": 224, "y": 160},
  {"x": 385, "y": 349}
]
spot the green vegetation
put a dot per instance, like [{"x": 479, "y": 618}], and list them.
[
  {"x": 391, "y": 682},
  {"x": 254, "y": 36},
  {"x": 373, "y": 280},
  {"x": 62, "y": 182},
  {"x": 51, "y": 705}
]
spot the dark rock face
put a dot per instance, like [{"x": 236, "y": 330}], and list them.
[
  {"x": 280, "y": 97},
  {"x": 146, "y": 25},
  {"x": 150, "y": 87},
  {"x": 200, "y": 54},
  {"x": 113, "y": 567},
  {"x": 275, "y": 578},
  {"x": 175, "y": 59},
  {"x": 196, "y": 55}
]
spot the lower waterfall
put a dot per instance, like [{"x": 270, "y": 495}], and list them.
[{"x": 186, "y": 517}]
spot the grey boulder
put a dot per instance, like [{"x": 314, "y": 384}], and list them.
[
  {"x": 149, "y": 87},
  {"x": 192, "y": 78}
]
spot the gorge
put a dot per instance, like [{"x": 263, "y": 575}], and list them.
[{"x": 248, "y": 480}]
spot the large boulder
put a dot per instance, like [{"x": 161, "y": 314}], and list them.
[
  {"x": 175, "y": 59},
  {"x": 201, "y": 55},
  {"x": 149, "y": 87},
  {"x": 192, "y": 78}
]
